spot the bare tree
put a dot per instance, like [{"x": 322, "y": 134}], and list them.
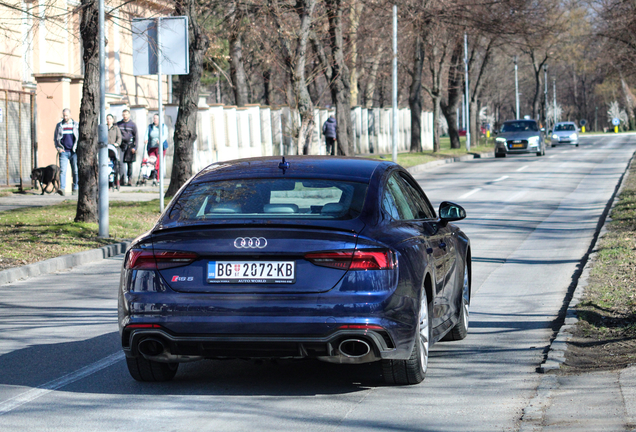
[
  {"x": 185, "y": 130},
  {"x": 295, "y": 60},
  {"x": 337, "y": 73},
  {"x": 237, "y": 68},
  {"x": 87, "y": 164}
]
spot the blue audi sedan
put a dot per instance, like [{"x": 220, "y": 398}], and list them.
[{"x": 340, "y": 259}]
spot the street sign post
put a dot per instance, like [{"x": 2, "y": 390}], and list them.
[
  {"x": 616, "y": 121},
  {"x": 582, "y": 122},
  {"x": 152, "y": 39}
]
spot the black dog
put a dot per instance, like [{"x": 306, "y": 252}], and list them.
[{"x": 46, "y": 176}]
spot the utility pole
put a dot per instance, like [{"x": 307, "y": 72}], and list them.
[
  {"x": 554, "y": 101},
  {"x": 162, "y": 168},
  {"x": 545, "y": 104},
  {"x": 395, "y": 92},
  {"x": 102, "y": 131},
  {"x": 467, "y": 92},
  {"x": 516, "y": 86}
]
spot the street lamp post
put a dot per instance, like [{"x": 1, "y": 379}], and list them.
[{"x": 516, "y": 87}]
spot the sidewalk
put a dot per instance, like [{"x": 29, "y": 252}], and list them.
[{"x": 32, "y": 198}]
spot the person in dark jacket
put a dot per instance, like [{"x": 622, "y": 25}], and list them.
[
  {"x": 128, "y": 130},
  {"x": 329, "y": 130},
  {"x": 66, "y": 138}
]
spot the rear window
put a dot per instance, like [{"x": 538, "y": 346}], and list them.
[
  {"x": 519, "y": 126},
  {"x": 270, "y": 199}
]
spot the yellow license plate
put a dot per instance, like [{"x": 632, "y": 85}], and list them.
[{"x": 517, "y": 145}]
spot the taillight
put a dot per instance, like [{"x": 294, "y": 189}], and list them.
[
  {"x": 141, "y": 326},
  {"x": 360, "y": 327},
  {"x": 140, "y": 259},
  {"x": 339, "y": 260},
  {"x": 373, "y": 260},
  {"x": 354, "y": 260}
]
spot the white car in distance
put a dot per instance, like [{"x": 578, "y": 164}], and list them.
[{"x": 565, "y": 133}]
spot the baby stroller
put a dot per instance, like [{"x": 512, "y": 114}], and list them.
[
  {"x": 114, "y": 166},
  {"x": 147, "y": 171}
]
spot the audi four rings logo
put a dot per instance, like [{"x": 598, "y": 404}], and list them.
[{"x": 250, "y": 242}]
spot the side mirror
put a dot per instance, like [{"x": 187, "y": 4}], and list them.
[{"x": 449, "y": 212}]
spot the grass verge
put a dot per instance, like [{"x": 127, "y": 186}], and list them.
[
  {"x": 411, "y": 159},
  {"x": 35, "y": 234},
  {"x": 605, "y": 335}
]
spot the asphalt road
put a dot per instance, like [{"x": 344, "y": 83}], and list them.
[{"x": 531, "y": 221}]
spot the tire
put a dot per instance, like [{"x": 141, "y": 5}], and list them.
[
  {"x": 539, "y": 153},
  {"x": 460, "y": 330},
  {"x": 150, "y": 371},
  {"x": 577, "y": 145},
  {"x": 500, "y": 155},
  {"x": 413, "y": 370},
  {"x": 552, "y": 145}
]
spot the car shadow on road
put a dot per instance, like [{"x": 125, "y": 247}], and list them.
[{"x": 40, "y": 364}]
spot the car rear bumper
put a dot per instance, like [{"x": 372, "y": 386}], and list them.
[{"x": 340, "y": 346}]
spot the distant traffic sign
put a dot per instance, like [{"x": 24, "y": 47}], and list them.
[
  {"x": 616, "y": 121},
  {"x": 583, "y": 122}
]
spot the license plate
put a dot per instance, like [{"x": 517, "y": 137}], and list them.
[
  {"x": 281, "y": 272},
  {"x": 517, "y": 146}
]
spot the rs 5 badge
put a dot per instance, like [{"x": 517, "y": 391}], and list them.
[{"x": 182, "y": 278}]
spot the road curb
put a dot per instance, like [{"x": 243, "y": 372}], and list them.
[
  {"x": 63, "y": 262},
  {"x": 558, "y": 347},
  {"x": 424, "y": 167}
]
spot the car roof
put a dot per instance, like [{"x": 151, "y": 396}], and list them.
[
  {"x": 521, "y": 120},
  {"x": 331, "y": 167},
  {"x": 567, "y": 122}
]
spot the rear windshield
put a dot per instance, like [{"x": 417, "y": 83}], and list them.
[
  {"x": 520, "y": 126},
  {"x": 564, "y": 127},
  {"x": 270, "y": 199}
]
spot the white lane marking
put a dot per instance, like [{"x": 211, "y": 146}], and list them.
[
  {"x": 500, "y": 179},
  {"x": 550, "y": 157},
  {"x": 522, "y": 168},
  {"x": 44, "y": 389},
  {"x": 466, "y": 195}
]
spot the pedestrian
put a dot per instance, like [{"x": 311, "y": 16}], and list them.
[
  {"x": 152, "y": 140},
  {"x": 114, "y": 134},
  {"x": 329, "y": 130},
  {"x": 128, "y": 144},
  {"x": 66, "y": 137}
]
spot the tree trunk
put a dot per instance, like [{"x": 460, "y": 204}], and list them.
[
  {"x": 356, "y": 10},
  {"x": 237, "y": 70},
  {"x": 436, "y": 112},
  {"x": 370, "y": 89},
  {"x": 87, "y": 163},
  {"x": 449, "y": 108},
  {"x": 267, "y": 87},
  {"x": 474, "y": 121},
  {"x": 415, "y": 95},
  {"x": 185, "y": 130},
  {"x": 295, "y": 64},
  {"x": 340, "y": 90}
]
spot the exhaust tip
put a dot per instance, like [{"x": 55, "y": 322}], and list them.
[
  {"x": 151, "y": 347},
  {"x": 354, "y": 348}
]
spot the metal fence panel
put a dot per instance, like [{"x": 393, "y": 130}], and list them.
[{"x": 16, "y": 137}]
